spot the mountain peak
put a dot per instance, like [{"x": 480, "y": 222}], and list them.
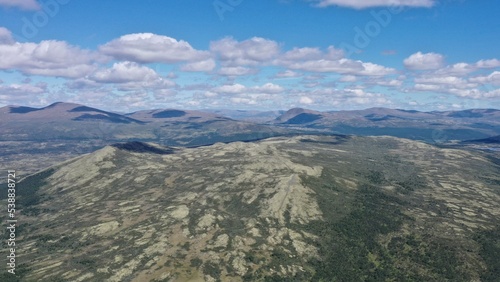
[
  {"x": 142, "y": 147},
  {"x": 306, "y": 115}
]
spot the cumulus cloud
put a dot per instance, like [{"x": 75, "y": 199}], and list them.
[
  {"x": 348, "y": 78},
  {"x": 390, "y": 83},
  {"x": 427, "y": 61},
  {"x": 151, "y": 48},
  {"x": 305, "y": 53},
  {"x": 363, "y": 4},
  {"x": 287, "y": 74},
  {"x": 47, "y": 58},
  {"x": 342, "y": 66},
  {"x": 306, "y": 100},
  {"x": 450, "y": 80},
  {"x": 457, "y": 69},
  {"x": 236, "y": 71},
  {"x": 332, "y": 60},
  {"x": 462, "y": 69},
  {"x": 23, "y": 93},
  {"x": 459, "y": 86},
  {"x": 230, "y": 89},
  {"x": 487, "y": 64},
  {"x": 250, "y": 52},
  {"x": 268, "y": 88},
  {"x": 129, "y": 76},
  {"x": 348, "y": 97},
  {"x": 493, "y": 78},
  {"x": 22, "y": 89},
  {"x": 124, "y": 72},
  {"x": 492, "y": 94},
  {"x": 6, "y": 37},
  {"x": 200, "y": 66},
  {"x": 22, "y": 4}
]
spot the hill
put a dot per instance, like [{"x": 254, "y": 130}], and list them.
[{"x": 306, "y": 208}]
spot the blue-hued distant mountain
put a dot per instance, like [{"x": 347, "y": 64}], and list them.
[
  {"x": 429, "y": 126},
  {"x": 68, "y": 121},
  {"x": 489, "y": 140},
  {"x": 61, "y": 111},
  {"x": 201, "y": 127}
]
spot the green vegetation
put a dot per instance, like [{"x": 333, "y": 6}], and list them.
[
  {"x": 387, "y": 214},
  {"x": 212, "y": 269},
  {"x": 350, "y": 246},
  {"x": 27, "y": 192},
  {"x": 21, "y": 271},
  {"x": 489, "y": 241},
  {"x": 196, "y": 262}
]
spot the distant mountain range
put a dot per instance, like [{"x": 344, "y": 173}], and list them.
[
  {"x": 68, "y": 121},
  {"x": 183, "y": 127},
  {"x": 428, "y": 126},
  {"x": 489, "y": 140},
  {"x": 308, "y": 205}
]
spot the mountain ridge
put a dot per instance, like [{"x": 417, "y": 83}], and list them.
[{"x": 300, "y": 208}]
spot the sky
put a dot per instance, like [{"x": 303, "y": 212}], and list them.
[{"x": 251, "y": 54}]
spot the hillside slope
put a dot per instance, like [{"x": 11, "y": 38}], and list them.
[{"x": 306, "y": 208}]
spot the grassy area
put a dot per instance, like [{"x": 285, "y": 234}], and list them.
[
  {"x": 489, "y": 241},
  {"x": 349, "y": 245}
]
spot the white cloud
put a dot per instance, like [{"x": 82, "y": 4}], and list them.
[
  {"x": 306, "y": 100},
  {"x": 124, "y": 72},
  {"x": 457, "y": 69},
  {"x": 305, "y": 53},
  {"x": 390, "y": 83},
  {"x": 251, "y": 52},
  {"x": 486, "y": 64},
  {"x": 23, "y": 89},
  {"x": 48, "y": 58},
  {"x": 22, "y": 94},
  {"x": 342, "y": 66},
  {"x": 466, "y": 93},
  {"x": 427, "y": 61},
  {"x": 492, "y": 94},
  {"x": 348, "y": 97},
  {"x": 82, "y": 83},
  {"x": 428, "y": 87},
  {"x": 448, "y": 80},
  {"x": 363, "y": 4},
  {"x": 6, "y": 37},
  {"x": 22, "y": 4},
  {"x": 150, "y": 48},
  {"x": 287, "y": 74},
  {"x": 269, "y": 88},
  {"x": 242, "y": 100},
  {"x": 200, "y": 66},
  {"x": 371, "y": 69},
  {"x": 348, "y": 78},
  {"x": 130, "y": 76},
  {"x": 236, "y": 71},
  {"x": 231, "y": 89},
  {"x": 493, "y": 78},
  {"x": 462, "y": 69},
  {"x": 210, "y": 94},
  {"x": 333, "y": 61}
]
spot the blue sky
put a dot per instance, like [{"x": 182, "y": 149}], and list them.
[{"x": 242, "y": 54}]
